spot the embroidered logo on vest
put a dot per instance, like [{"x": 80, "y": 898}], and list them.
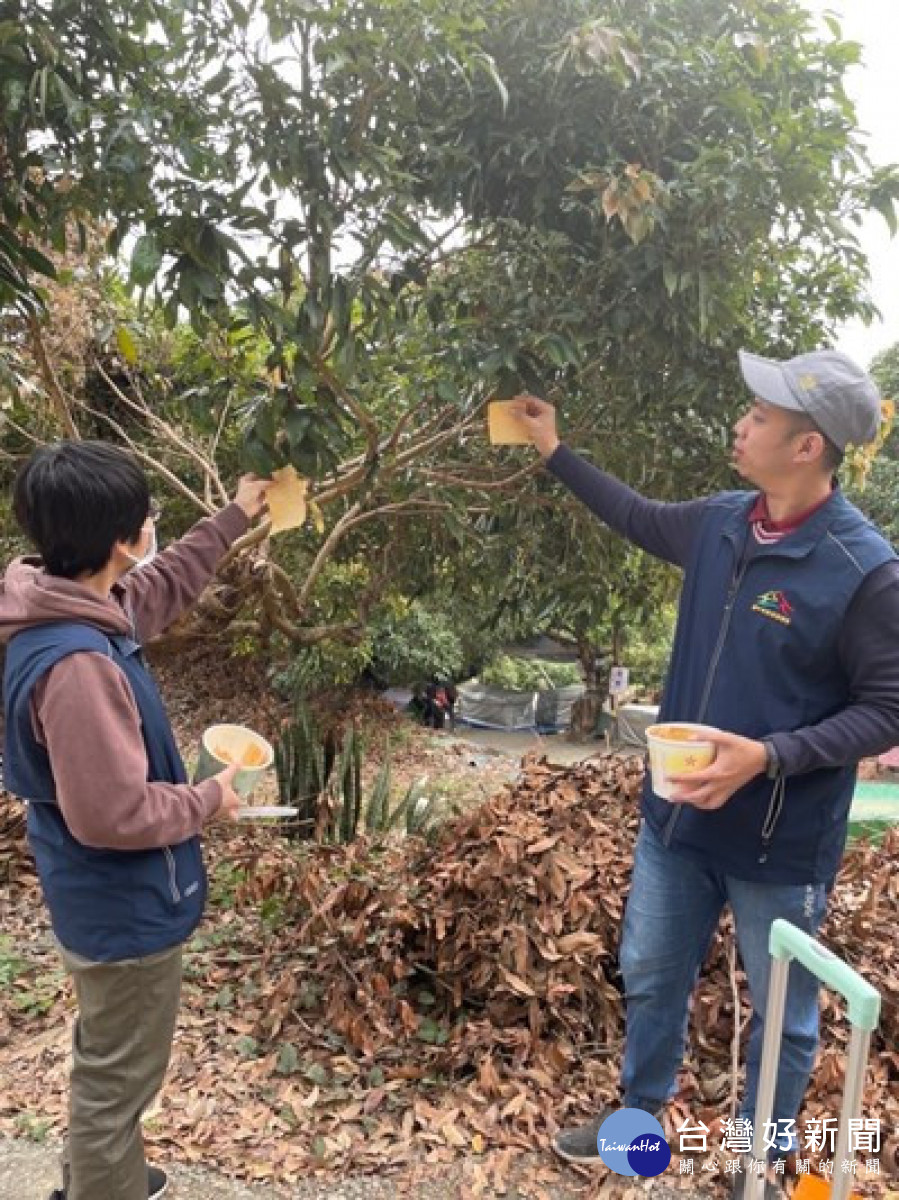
[{"x": 774, "y": 605}]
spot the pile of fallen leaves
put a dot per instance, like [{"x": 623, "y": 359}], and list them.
[
  {"x": 15, "y": 861},
  {"x": 375, "y": 1006}
]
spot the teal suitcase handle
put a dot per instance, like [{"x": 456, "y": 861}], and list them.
[{"x": 787, "y": 942}]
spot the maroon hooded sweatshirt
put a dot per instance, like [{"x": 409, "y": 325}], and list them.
[{"x": 83, "y": 710}]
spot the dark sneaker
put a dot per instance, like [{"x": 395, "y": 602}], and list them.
[
  {"x": 578, "y": 1144},
  {"x": 773, "y": 1191},
  {"x": 157, "y": 1183}
]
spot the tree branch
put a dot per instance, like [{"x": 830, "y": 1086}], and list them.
[
  {"x": 487, "y": 485},
  {"x": 152, "y": 463},
  {"x": 324, "y": 553},
  {"x": 391, "y": 444},
  {"x": 284, "y": 585},
  {"x": 342, "y": 487},
  {"x": 355, "y": 469},
  {"x": 214, "y": 445},
  {"x": 363, "y": 416},
  {"x": 54, "y": 387},
  {"x": 416, "y": 449},
  {"x": 210, "y": 474},
  {"x": 6, "y": 419},
  {"x": 407, "y": 507},
  {"x": 253, "y": 537}
]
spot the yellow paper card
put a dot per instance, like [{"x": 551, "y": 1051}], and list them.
[
  {"x": 286, "y": 499},
  {"x": 503, "y": 428}
]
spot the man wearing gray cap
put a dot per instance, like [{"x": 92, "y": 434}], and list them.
[
  {"x": 787, "y": 642},
  {"x": 827, "y": 387}
]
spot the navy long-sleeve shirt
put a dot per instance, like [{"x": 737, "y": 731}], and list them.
[{"x": 868, "y": 645}]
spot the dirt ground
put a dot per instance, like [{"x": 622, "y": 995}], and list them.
[
  {"x": 475, "y": 762},
  {"x": 467, "y": 765},
  {"x": 30, "y": 1172},
  {"x": 470, "y": 764}
]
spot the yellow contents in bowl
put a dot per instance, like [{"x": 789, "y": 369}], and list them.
[
  {"x": 250, "y": 756},
  {"x": 671, "y": 733}
]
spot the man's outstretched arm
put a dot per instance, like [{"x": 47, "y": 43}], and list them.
[{"x": 663, "y": 530}]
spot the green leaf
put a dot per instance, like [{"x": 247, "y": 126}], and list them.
[
  {"x": 886, "y": 205},
  {"x": 433, "y": 1032},
  {"x": 487, "y": 62},
  {"x": 257, "y": 457},
  {"x": 58, "y": 237},
  {"x": 146, "y": 259},
  {"x": 38, "y": 261},
  {"x": 126, "y": 344},
  {"x": 288, "y": 1060},
  {"x": 447, "y": 391},
  {"x": 297, "y": 423},
  {"x": 117, "y": 236}
]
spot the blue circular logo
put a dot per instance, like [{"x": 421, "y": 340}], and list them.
[{"x": 632, "y": 1142}]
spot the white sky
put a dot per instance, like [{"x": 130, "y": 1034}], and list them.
[{"x": 874, "y": 86}]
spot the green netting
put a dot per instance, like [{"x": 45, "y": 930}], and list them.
[{"x": 875, "y": 806}]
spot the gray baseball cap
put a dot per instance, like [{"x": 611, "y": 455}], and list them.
[{"x": 827, "y": 386}]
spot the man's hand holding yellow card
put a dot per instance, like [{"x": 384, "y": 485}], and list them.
[
  {"x": 286, "y": 499},
  {"x": 503, "y": 427}
]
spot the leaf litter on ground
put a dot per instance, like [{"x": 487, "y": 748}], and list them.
[{"x": 388, "y": 1007}]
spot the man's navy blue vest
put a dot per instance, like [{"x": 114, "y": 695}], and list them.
[
  {"x": 756, "y": 653},
  {"x": 106, "y": 905}
]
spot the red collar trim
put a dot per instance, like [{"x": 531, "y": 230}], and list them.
[{"x": 759, "y": 513}]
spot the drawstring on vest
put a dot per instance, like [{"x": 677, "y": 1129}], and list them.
[{"x": 774, "y": 808}]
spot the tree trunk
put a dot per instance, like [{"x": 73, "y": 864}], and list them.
[{"x": 586, "y": 712}]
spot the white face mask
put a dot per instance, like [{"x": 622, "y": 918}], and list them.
[{"x": 145, "y": 559}]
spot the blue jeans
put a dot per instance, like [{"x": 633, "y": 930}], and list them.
[{"x": 672, "y": 912}]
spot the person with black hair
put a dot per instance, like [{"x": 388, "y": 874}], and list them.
[{"x": 112, "y": 821}]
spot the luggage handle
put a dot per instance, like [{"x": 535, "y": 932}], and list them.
[{"x": 785, "y": 941}]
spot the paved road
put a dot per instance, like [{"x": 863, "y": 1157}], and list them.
[{"x": 557, "y": 748}]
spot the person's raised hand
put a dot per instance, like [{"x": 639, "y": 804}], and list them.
[
  {"x": 230, "y": 801},
  {"x": 539, "y": 418},
  {"x": 250, "y": 494},
  {"x": 738, "y": 759}
]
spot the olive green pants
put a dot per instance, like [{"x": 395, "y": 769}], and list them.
[{"x": 120, "y": 1052}]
